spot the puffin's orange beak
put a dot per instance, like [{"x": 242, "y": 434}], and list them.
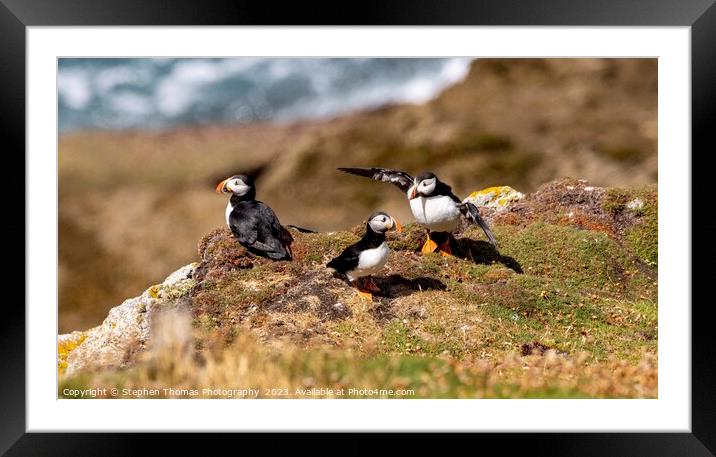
[
  {"x": 414, "y": 193},
  {"x": 397, "y": 226},
  {"x": 220, "y": 186}
]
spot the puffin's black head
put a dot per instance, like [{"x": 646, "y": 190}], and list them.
[
  {"x": 381, "y": 222},
  {"x": 424, "y": 185},
  {"x": 238, "y": 185}
]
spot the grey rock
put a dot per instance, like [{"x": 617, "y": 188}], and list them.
[{"x": 127, "y": 329}]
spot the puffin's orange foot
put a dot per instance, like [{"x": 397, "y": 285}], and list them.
[
  {"x": 445, "y": 250},
  {"x": 429, "y": 246},
  {"x": 371, "y": 285},
  {"x": 364, "y": 294}
]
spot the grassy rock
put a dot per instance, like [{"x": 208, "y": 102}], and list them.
[{"x": 574, "y": 275}]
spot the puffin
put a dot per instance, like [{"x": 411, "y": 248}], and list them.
[
  {"x": 433, "y": 204},
  {"x": 252, "y": 222},
  {"x": 368, "y": 256}
]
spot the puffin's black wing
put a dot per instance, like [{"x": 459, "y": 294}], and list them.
[
  {"x": 259, "y": 230},
  {"x": 472, "y": 214},
  {"x": 347, "y": 261},
  {"x": 444, "y": 189},
  {"x": 301, "y": 229},
  {"x": 400, "y": 178}
]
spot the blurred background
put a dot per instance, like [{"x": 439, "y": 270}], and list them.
[{"x": 143, "y": 142}]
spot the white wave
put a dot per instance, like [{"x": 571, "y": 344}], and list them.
[
  {"x": 131, "y": 104},
  {"x": 74, "y": 88},
  {"x": 172, "y": 97},
  {"x": 420, "y": 88},
  {"x": 163, "y": 92},
  {"x": 455, "y": 69},
  {"x": 109, "y": 78},
  {"x": 197, "y": 71}
]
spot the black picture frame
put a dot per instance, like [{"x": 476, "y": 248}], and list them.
[{"x": 16, "y": 15}]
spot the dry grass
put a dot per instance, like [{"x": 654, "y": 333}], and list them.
[{"x": 288, "y": 372}]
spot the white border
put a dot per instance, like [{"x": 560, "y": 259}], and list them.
[{"x": 671, "y": 412}]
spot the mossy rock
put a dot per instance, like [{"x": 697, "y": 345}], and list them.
[
  {"x": 637, "y": 213},
  {"x": 556, "y": 283},
  {"x": 496, "y": 196},
  {"x": 643, "y": 237}
]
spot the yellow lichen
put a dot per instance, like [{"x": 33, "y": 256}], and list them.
[
  {"x": 496, "y": 190},
  {"x": 154, "y": 290},
  {"x": 177, "y": 290},
  {"x": 499, "y": 195},
  {"x": 66, "y": 346}
]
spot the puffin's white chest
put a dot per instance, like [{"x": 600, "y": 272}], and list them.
[
  {"x": 371, "y": 261},
  {"x": 439, "y": 214},
  {"x": 228, "y": 211}
]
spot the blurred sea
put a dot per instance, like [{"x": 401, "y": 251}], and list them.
[{"x": 154, "y": 93}]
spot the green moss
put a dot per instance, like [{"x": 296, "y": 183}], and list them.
[
  {"x": 615, "y": 200},
  {"x": 643, "y": 240},
  {"x": 646, "y": 309},
  {"x": 205, "y": 322},
  {"x": 320, "y": 246},
  {"x": 397, "y": 338},
  {"x": 432, "y": 264},
  {"x": 575, "y": 294},
  {"x": 435, "y": 328},
  {"x": 177, "y": 290},
  {"x": 411, "y": 239},
  {"x": 478, "y": 272},
  {"x": 643, "y": 237},
  {"x": 346, "y": 328},
  {"x": 579, "y": 257}
]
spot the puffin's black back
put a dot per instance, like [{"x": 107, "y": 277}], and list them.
[
  {"x": 348, "y": 259},
  {"x": 258, "y": 229}
]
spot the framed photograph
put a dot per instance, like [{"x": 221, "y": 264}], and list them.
[{"x": 474, "y": 218}]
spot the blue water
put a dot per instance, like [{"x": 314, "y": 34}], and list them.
[{"x": 162, "y": 92}]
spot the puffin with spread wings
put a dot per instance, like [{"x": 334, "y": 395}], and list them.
[{"x": 433, "y": 204}]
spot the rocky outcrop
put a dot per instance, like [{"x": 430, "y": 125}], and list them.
[
  {"x": 126, "y": 330},
  {"x": 571, "y": 255}
]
